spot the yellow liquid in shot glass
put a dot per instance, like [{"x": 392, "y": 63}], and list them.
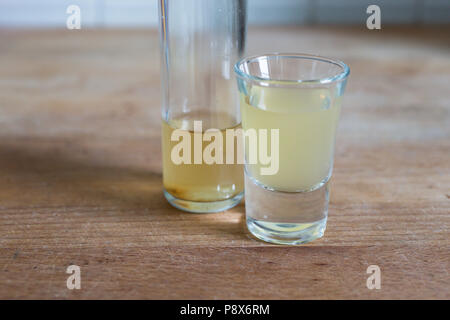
[{"x": 307, "y": 121}]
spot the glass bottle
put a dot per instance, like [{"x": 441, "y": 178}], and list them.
[{"x": 200, "y": 42}]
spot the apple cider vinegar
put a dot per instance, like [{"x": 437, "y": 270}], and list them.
[
  {"x": 307, "y": 123},
  {"x": 300, "y": 95},
  {"x": 200, "y": 182},
  {"x": 200, "y": 41}
]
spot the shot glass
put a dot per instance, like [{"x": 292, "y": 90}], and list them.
[{"x": 290, "y": 105}]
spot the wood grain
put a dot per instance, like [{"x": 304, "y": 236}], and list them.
[{"x": 80, "y": 174}]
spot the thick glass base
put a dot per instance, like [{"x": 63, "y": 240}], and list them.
[
  {"x": 286, "y": 217},
  {"x": 286, "y": 233},
  {"x": 203, "y": 207}
]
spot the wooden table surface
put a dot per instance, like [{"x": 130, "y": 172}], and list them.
[{"x": 80, "y": 174}]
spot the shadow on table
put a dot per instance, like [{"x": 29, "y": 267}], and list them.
[{"x": 49, "y": 176}]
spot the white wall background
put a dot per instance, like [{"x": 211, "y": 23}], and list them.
[{"x": 144, "y": 13}]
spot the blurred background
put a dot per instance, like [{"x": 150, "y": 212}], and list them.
[{"x": 144, "y": 13}]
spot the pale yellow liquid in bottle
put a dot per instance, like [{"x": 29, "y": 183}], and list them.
[
  {"x": 200, "y": 182},
  {"x": 307, "y": 120}
]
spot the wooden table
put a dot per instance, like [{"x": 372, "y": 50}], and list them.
[{"x": 80, "y": 174}]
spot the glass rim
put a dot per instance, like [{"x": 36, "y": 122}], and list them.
[{"x": 345, "y": 70}]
